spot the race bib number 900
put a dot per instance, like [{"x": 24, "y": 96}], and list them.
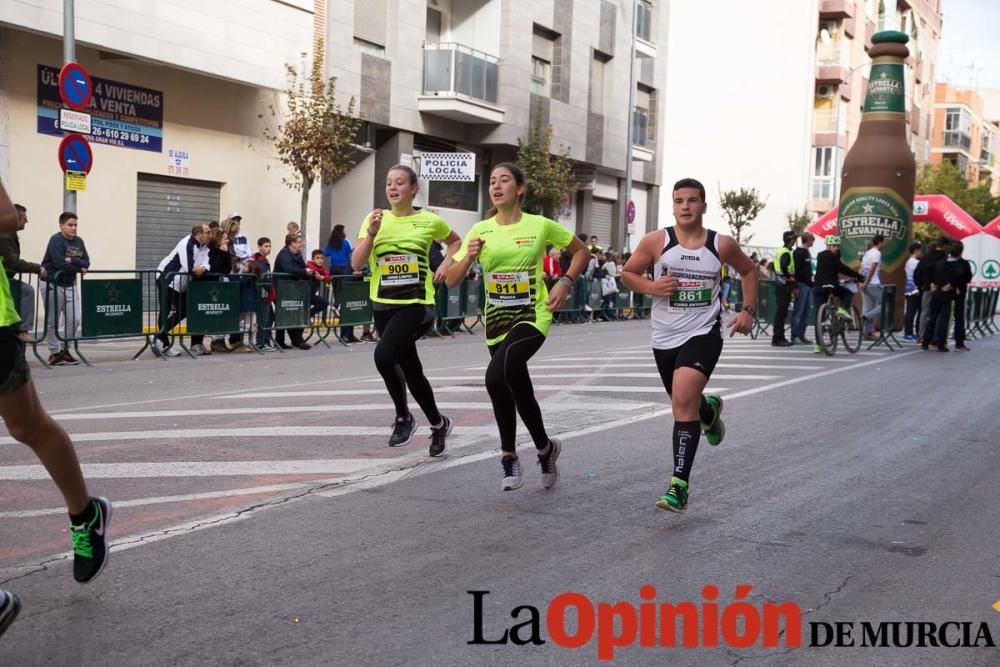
[
  {"x": 508, "y": 289},
  {"x": 692, "y": 295},
  {"x": 396, "y": 270}
]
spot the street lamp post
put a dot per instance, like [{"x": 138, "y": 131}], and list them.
[
  {"x": 69, "y": 55},
  {"x": 630, "y": 139}
]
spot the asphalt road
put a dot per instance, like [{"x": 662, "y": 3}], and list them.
[{"x": 261, "y": 520}]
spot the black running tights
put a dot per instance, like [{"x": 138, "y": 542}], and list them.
[
  {"x": 396, "y": 358},
  {"x": 510, "y": 387}
]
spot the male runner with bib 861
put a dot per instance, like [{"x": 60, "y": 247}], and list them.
[{"x": 687, "y": 262}]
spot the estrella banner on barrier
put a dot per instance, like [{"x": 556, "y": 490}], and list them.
[
  {"x": 213, "y": 307},
  {"x": 291, "y": 306},
  {"x": 355, "y": 302},
  {"x": 111, "y": 307}
]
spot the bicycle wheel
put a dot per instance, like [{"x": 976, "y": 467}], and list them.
[
  {"x": 852, "y": 332},
  {"x": 826, "y": 329}
]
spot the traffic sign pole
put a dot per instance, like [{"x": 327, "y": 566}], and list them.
[{"x": 69, "y": 55}]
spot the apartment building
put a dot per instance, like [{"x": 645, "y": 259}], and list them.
[
  {"x": 966, "y": 136},
  {"x": 469, "y": 77},
  {"x": 176, "y": 137},
  {"x": 842, "y": 68}
]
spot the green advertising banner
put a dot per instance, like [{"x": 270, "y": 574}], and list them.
[
  {"x": 473, "y": 297},
  {"x": 213, "y": 307},
  {"x": 111, "y": 307},
  {"x": 623, "y": 299},
  {"x": 865, "y": 212},
  {"x": 291, "y": 307},
  {"x": 355, "y": 303},
  {"x": 453, "y": 303}
]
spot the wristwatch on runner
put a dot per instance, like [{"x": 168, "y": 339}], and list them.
[{"x": 750, "y": 309}]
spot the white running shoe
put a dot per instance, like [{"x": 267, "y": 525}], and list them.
[
  {"x": 513, "y": 477},
  {"x": 550, "y": 472}
]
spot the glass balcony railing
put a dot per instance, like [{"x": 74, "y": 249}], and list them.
[
  {"x": 452, "y": 69},
  {"x": 953, "y": 139},
  {"x": 825, "y": 121},
  {"x": 642, "y": 135}
]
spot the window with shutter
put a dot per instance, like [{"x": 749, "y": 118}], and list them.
[{"x": 370, "y": 21}]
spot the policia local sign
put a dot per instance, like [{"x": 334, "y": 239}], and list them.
[
  {"x": 121, "y": 114},
  {"x": 448, "y": 166}
]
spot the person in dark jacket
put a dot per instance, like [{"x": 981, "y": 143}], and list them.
[
  {"x": 829, "y": 268},
  {"x": 802, "y": 259},
  {"x": 220, "y": 264},
  {"x": 949, "y": 276},
  {"x": 182, "y": 261},
  {"x": 10, "y": 250},
  {"x": 961, "y": 289},
  {"x": 262, "y": 267},
  {"x": 65, "y": 257},
  {"x": 923, "y": 276},
  {"x": 290, "y": 262}
]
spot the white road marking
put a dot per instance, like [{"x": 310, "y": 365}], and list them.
[
  {"x": 597, "y": 376},
  {"x": 201, "y": 468},
  {"x": 650, "y": 364},
  {"x": 364, "y": 480},
  {"x": 624, "y": 389}
]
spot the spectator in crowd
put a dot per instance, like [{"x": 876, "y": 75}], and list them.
[
  {"x": 551, "y": 267},
  {"x": 871, "y": 289},
  {"x": 802, "y": 258},
  {"x": 784, "y": 283},
  {"x": 293, "y": 228},
  {"x": 765, "y": 269},
  {"x": 912, "y": 292},
  {"x": 949, "y": 276},
  {"x": 213, "y": 225},
  {"x": 241, "y": 256},
  {"x": 65, "y": 257},
  {"x": 290, "y": 262},
  {"x": 220, "y": 265},
  {"x": 338, "y": 252},
  {"x": 10, "y": 250},
  {"x": 316, "y": 266},
  {"x": 565, "y": 259},
  {"x": 609, "y": 289},
  {"x": 262, "y": 267},
  {"x": 594, "y": 247},
  {"x": 183, "y": 259},
  {"x": 727, "y": 284},
  {"x": 961, "y": 289},
  {"x": 923, "y": 276}
]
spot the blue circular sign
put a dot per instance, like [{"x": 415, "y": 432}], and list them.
[
  {"x": 75, "y": 87},
  {"x": 75, "y": 154}
]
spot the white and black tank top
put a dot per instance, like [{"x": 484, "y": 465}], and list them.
[{"x": 696, "y": 307}]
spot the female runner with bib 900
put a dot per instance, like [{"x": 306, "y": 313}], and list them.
[
  {"x": 395, "y": 245},
  {"x": 687, "y": 262},
  {"x": 510, "y": 246}
]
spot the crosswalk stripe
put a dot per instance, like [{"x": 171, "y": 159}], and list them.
[
  {"x": 200, "y": 469},
  {"x": 387, "y": 407},
  {"x": 597, "y": 375},
  {"x": 594, "y": 361},
  {"x": 620, "y": 389},
  {"x": 650, "y": 364}
]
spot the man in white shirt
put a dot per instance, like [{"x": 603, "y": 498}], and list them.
[{"x": 871, "y": 289}]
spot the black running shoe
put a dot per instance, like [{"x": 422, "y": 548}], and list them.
[
  {"x": 438, "y": 436},
  {"x": 402, "y": 431},
  {"x": 90, "y": 543},
  {"x": 9, "y": 606}
]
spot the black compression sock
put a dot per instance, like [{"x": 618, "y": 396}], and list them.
[
  {"x": 686, "y": 436},
  {"x": 86, "y": 515},
  {"x": 705, "y": 412}
]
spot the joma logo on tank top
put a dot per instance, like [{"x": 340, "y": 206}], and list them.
[{"x": 695, "y": 306}]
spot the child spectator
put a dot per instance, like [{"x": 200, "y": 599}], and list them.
[{"x": 262, "y": 267}]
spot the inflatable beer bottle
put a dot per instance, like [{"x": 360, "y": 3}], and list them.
[{"x": 879, "y": 172}]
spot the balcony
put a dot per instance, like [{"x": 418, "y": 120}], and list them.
[
  {"x": 832, "y": 74},
  {"x": 460, "y": 84},
  {"x": 869, "y": 31},
  {"x": 643, "y": 142},
  {"x": 955, "y": 139},
  {"x": 827, "y": 130},
  {"x": 836, "y": 9},
  {"x": 832, "y": 63}
]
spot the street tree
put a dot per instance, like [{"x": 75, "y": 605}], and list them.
[
  {"x": 799, "y": 220},
  {"x": 550, "y": 175},
  {"x": 741, "y": 208},
  {"x": 312, "y": 134}
]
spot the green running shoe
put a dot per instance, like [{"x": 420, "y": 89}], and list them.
[
  {"x": 676, "y": 497},
  {"x": 818, "y": 349},
  {"x": 715, "y": 431},
  {"x": 846, "y": 314}
]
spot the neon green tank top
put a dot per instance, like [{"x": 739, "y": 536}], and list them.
[
  {"x": 400, "y": 266},
  {"x": 511, "y": 258},
  {"x": 8, "y": 313}
]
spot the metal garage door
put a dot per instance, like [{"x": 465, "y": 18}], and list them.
[
  {"x": 166, "y": 209},
  {"x": 600, "y": 221}
]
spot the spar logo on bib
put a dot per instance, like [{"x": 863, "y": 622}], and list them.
[{"x": 865, "y": 212}]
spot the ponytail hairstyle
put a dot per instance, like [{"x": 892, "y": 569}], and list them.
[
  {"x": 409, "y": 171},
  {"x": 518, "y": 175}
]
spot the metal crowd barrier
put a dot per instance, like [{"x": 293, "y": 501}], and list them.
[{"x": 98, "y": 305}]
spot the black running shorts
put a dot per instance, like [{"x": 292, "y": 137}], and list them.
[
  {"x": 700, "y": 352},
  {"x": 14, "y": 372}
]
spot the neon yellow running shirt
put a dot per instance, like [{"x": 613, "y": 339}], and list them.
[
  {"x": 8, "y": 313},
  {"x": 399, "y": 262},
  {"x": 511, "y": 258}
]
